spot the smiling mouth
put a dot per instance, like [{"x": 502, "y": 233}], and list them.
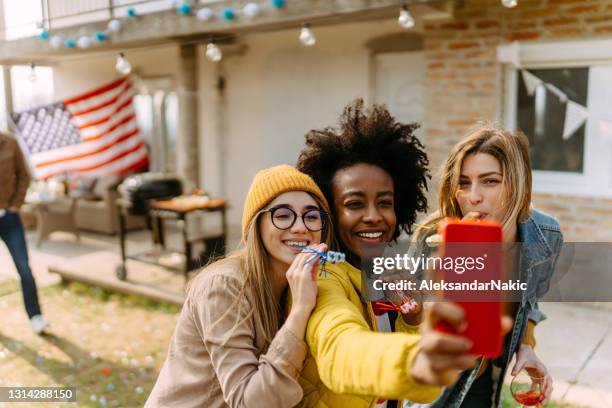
[
  {"x": 374, "y": 236},
  {"x": 296, "y": 245}
]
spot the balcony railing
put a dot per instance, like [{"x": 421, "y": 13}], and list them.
[{"x": 27, "y": 17}]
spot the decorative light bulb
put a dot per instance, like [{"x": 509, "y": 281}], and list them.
[
  {"x": 204, "y": 14},
  {"x": 114, "y": 25},
  {"x": 56, "y": 41},
  {"x": 213, "y": 52},
  {"x": 184, "y": 8},
  {"x": 32, "y": 77},
  {"x": 100, "y": 36},
  {"x": 228, "y": 14},
  {"x": 123, "y": 66},
  {"x": 279, "y": 4},
  {"x": 251, "y": 10},
  {"x": 70, "y": 43},
  {"x": 307, "y": 37},
  {"x": 510, "y": 3},
  {"x": 405, "y": 18},
  {"x": 84, "y": 42}
]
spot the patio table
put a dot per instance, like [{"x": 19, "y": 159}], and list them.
[{"x": 177, "y": 209}]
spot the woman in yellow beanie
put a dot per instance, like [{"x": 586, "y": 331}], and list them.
[{"x": 234, "y": 345}]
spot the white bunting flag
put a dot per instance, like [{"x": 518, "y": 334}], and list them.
[
  {"x": 575, "y": 115},
  {"x": 531, "y": 81}
]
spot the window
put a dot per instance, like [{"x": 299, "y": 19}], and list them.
[
  {"x": 558, "y": 99},
  {"x": 541, "y": 116}
]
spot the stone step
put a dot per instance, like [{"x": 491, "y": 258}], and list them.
[{"x": 98, "y": 269}]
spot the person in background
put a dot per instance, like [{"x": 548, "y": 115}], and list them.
[{"x": 14, "y": 181}]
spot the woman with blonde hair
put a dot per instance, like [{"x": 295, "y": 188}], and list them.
[
  {"x": 487, "y": 176},
  {"x": 235, "y": 345}
]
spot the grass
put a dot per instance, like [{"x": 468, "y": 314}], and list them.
[
  {"x": 104, "y": 295},
  {"x": 9, "y": 286},
  {"x": 108, "y": 346}
]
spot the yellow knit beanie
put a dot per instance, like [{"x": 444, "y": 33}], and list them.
[{"x": 272, "y": 182}]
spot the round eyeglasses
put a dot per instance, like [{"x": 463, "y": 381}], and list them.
[{"x": 284, "y": 218}]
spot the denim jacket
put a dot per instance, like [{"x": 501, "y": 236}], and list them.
[{"x": 541, "y": 240}]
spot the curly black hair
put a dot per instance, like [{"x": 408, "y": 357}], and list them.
[{"x": 371, "y": 136}]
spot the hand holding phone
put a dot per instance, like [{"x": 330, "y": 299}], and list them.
[{"x": 472, "y": 239}]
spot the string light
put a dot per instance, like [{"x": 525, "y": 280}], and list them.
[
  {"x": 509, "y": 3},
  {"x": 307, "y": 37},
  {"x": 123, "y": 66},
  {"x": 249, "y": 11},
  {"x": 32, "y": 77},
  {"x": 213, "y": 52},
  {"x": 405, "y": 19}
]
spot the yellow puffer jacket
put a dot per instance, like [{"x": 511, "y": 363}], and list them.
[{"x": 349, "y": 363}]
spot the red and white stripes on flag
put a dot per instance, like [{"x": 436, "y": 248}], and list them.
[{"x": 88, "y": 135}]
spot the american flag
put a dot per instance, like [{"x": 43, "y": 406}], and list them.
[{"x": 89, "y": 135}]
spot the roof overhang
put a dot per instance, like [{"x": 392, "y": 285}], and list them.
[{"x": 168, "y": 27}]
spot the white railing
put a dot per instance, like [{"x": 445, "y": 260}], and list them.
[{"x": 26, "y": 18}]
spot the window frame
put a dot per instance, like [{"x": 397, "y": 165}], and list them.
[{"x": 596, "y": 178}]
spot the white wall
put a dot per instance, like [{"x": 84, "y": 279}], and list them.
[{"x": 275, "y": 92}]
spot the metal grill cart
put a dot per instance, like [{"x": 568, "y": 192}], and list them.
[{"x": 140, "y": 199}]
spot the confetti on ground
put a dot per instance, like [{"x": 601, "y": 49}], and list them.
[{"x": 106, "y": 369}]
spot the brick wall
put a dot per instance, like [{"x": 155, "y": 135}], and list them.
[{"x": 465, "y": 83}]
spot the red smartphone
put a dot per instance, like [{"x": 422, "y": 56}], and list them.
[{"x": 477, "y": 240}]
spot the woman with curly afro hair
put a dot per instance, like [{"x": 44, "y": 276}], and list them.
[{"x": 373, "y": 171}]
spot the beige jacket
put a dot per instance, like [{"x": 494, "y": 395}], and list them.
[
  {"x": 201, "y": 372},
  {"x": 14, "y": 175}
]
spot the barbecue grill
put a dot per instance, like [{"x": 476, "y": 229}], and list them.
[
  {"x": 140, "y": 195},
  {"x": 136, "y": 190}
]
